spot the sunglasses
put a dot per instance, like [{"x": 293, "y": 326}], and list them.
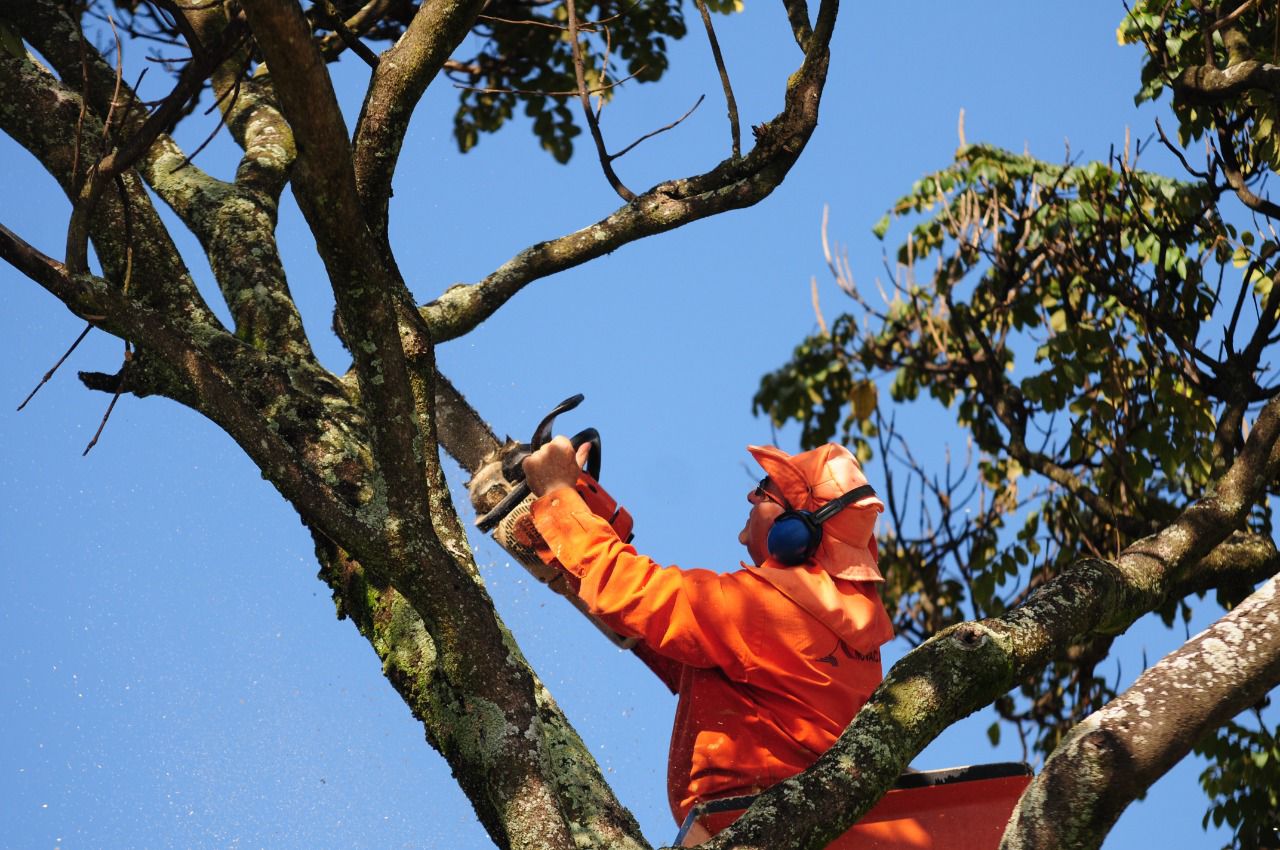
[{"x": 762, "y": 493}]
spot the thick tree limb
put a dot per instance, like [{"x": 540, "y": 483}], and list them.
[
  {"x": 734, "y": 184},
  {"x": 250, "y": 112},
  {"x": 1234, "y": 567},
  {"x": 798, "y": 16},
  {"x": 1114, "y": 755},
  {"x": 1209, "y": 85},
  {"x": 402, "y": 75},
  {"x": 967, "y": 666},
  {"x": 365, "y": 289},
  {"x": 217, "y": 393}
]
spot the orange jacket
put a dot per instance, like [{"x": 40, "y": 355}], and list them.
[{"x": 770, "y": 663}]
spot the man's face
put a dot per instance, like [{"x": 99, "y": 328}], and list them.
[{"x": 767, "y": 505}]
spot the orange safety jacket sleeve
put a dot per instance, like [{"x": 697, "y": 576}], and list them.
[{"x": 693, "y": 617}]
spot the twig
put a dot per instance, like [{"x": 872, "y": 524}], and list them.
[
  {"x": 605, "y": 160},
  {"x": 1236, "y": 179},
  {"x": 234, "y": 93},
  {"x": 571, "y": 93},
  {"x": 732, "y": 104},
  {"x": 583, "y": 26},
  {"x": 61, "y": 360},
  {"x": 128, "y": 355},
  {"x": 660, "y": 129},
  {"x": 1233, "y": 17},
  {"x": 329, "y": 11},
  {"x": 115, "y": 92},
  {"x": 1178, "y": 153}
]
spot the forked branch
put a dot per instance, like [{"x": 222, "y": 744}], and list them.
[{"x": 733, "y": 184}]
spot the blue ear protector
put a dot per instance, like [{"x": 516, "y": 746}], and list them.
[{"x": 795, "y": 535}]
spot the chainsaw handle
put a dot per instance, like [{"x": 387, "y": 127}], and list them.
[
  {"x": 542, "y": 433},
  {"x": 520, "y": 491},
  {"x": 592, "y": 436}
]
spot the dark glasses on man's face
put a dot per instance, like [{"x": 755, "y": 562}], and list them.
[{"x": 762, "y": 493}]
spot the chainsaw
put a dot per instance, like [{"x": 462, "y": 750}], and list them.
[{"x": 509, "y": 519}]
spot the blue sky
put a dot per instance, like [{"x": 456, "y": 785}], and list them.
[{"x": 174, "y": 674}]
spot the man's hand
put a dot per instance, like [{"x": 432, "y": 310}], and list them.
[{"x": 555, "y": 465}]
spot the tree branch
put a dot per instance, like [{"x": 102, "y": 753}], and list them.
[
  {"x": 731, "y": 105},
  {"x": 252, "y": 115},
  {"x": 1114, "y": 755},
  {"x": 43, "y": 116},
  {"x": 733, "y": 184},
  {"x": 1206, "y": 84},
  {"x": 798, "y": 17},
  {"x": 364, "y": 288},
  {"x": 398, "y": 83},
  {"x": 159, "y": 122},
  {"x": 216, "y": 394},
  {"x": 235, "y": 224},
  {"x": 1238, "y": 180},
  {"x": 593, "y": 123}
]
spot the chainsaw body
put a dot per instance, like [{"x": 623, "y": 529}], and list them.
[{"x": 503, "y": 500}]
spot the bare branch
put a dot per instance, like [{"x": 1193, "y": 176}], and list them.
[
  {"x": 1176, "y": 151},
  {"x": 593, "y": 124},
  {"x": 732, "y": 105},
  {"x": 1234, "y": 16},
  {"x": 572, "y": 93},
  {"x": 662, "y": 129},
  {"x": 350, "y": 39},
  {"x": 398, "y": 83},
  {"x": 1237, "y": 179},
  {"x": 47, "y": 375},
  {"x": 115, "y": 397}
]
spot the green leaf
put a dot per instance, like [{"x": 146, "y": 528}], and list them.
[{"x": 881, "y": 227}]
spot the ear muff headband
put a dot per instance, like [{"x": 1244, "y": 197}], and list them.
[{"x": 796, "y": 535}]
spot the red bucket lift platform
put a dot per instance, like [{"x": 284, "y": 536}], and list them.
[{"x": 959, "y": 808}]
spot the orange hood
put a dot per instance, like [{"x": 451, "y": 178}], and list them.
[{"x": 811, "y": 479}]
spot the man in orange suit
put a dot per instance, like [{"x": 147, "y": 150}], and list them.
[{"x": 770, "y": 661}]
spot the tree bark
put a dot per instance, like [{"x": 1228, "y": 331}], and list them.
[{"x": 1117, "y": 753}]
